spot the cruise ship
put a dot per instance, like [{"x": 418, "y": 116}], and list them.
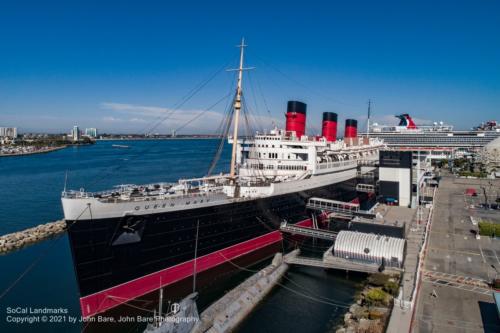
[
  {"x": 407, "y": 134},
  {"x": 134, "y": 239}
]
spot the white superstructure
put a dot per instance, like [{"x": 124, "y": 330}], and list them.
[{"x": 270, "y": 164}]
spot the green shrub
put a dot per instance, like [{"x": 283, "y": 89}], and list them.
[
  {"x": 376, "y": 296},
  {"x": 392, "y": 288},
  {"x": 489, "y": 229}
]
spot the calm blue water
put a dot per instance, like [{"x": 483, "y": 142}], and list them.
[{"x": 30, "y": 195}]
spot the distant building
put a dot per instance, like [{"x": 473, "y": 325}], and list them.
[
  {"x": 8, "y": 132},
  {"x": 91, "y": 132},
  {"x": 75, "y": 133}
]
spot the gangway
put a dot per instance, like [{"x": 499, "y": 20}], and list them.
[
  {"x": 331, "y": 262},
  {"x": 366, "y": 188},
  {"x": 340, "y": 264},
  {"x": 368, "y": 174},
  {"x": 310, "y": 232},
  {"x": 338, "y": 209},
  {"x": 334, "y": 206}
]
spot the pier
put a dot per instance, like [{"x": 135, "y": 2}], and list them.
[{"x": 329, "y": 261}]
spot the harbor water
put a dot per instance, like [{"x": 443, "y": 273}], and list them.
[{"x": 31, "y": 188}]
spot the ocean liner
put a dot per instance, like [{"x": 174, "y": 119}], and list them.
[
  {"x": 133, "y": 240},
  {"x": 408, "y": 134}
]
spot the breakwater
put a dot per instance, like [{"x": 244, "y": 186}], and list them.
[
  {"x": 231, "y": 310},
  {"x": 31, "y": 150},
  {"x": 20, "y": 239}
]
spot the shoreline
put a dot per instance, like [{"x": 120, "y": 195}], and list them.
[
  {"x": 153, "y": 139},
  {"x": 42, "y": 151}
]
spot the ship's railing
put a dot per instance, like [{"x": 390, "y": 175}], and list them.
[
  {"x": 126, "y": 195},
  {"x": 331, "y": 165}
]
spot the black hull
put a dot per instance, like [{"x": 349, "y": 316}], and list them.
[{"x": 109, "y": 252}]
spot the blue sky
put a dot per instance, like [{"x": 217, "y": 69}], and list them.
[{"x": 119, "y": 65}]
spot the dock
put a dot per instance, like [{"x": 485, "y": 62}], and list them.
[{"x": 329, "y": 261}]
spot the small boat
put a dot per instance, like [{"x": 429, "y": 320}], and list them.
[{"x": 120, "y": 146}]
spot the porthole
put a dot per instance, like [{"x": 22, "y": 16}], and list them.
[
  {"x": 146, "y": 207},
  {"x": 137, "y": 208}
]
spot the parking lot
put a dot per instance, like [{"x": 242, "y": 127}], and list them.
[{"x": 454, "y": 249}]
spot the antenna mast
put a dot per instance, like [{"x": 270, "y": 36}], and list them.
[
  {"x": 237, "y": 107},
  {"x": 368, "y": 120}
]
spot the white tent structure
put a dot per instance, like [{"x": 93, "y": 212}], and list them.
[{"x": 369, "y": 248}]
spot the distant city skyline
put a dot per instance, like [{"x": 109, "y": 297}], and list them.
[{"x": 120, "y": 67}]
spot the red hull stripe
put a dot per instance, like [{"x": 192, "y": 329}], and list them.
[{"x": 114, "y": 296}]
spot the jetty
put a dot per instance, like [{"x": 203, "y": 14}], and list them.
[
  {"x": 20, "y": 239},
  {"x": 228, "y": 312}
]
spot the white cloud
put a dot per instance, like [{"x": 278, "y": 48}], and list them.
[
  {"x": 137, "y": 120},
  {"x": 164, "y": 120},
  {"x": 161, "y": 119},
  {"x": 111, "y": 119},
  {"x": 134, "y": 109}
]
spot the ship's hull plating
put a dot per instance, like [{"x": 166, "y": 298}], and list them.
[{"x": 119, "y": 259}]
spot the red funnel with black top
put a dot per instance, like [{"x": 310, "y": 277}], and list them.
[
  {"x": 296, "y": 117},
  {"x": 351, "y": 128},
  {"x": 329, "y": 126}
]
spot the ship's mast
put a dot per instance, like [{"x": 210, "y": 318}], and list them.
[{"x": 237, "y": 108}]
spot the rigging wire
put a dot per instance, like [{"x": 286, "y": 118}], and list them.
[
  {"x": 183, "y": 100},
  {"x": 148, "y": 129},
  {"x": 257, "y": 115},
  {"x": 202, "y": 113},
  {"x": 330, "y": 302},
  {"x": 265, "y": 101},
  {"x": 318, "y": 93},
  {"x": 150, "y": 146},
  {"x": 38, "y": 259},
  {"x": 224, "y": 134}
]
